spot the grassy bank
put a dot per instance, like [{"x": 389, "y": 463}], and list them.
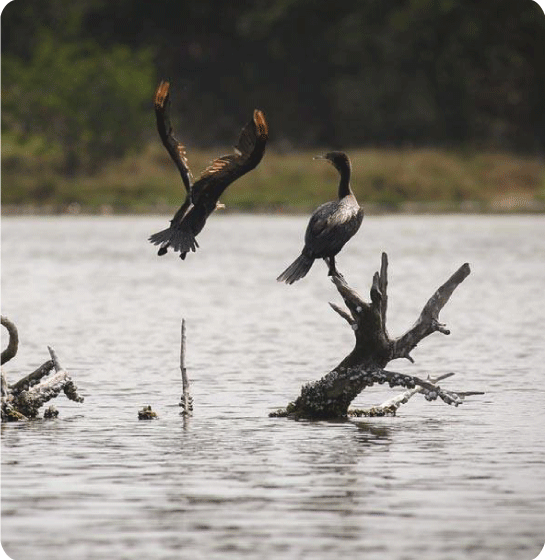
[{"x": 384, "y": 180}]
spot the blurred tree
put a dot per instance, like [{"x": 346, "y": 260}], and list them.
[
  {"x": 348, "y": 73},
  {"x": 88, "y": 101}
]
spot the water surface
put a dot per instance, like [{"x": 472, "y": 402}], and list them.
[{"x": 436, "y": 482}]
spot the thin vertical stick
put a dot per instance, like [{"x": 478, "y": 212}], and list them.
[
  {"x": 383, "y": 286},
  {"x": 186, "y": 398}
]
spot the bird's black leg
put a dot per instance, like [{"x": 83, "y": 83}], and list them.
[{"x": 332, "y": 268}]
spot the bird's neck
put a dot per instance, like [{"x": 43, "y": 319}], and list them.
[{"x": 344, "y": 184}]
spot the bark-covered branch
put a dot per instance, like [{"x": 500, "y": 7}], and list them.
[{"x": 331, "y": 396}]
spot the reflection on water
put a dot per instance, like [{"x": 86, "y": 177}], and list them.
[{"x": 435, "y": 482}]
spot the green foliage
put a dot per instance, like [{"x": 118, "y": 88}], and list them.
[
  {"x": 89, "y": 103},
  {"x": 78, "y": 77},
  {"x": 385, "y": 180}
]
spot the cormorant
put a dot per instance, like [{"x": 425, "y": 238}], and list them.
[
  {"x": 330, "y": 226},
  {"x": 202, "y": 196}
]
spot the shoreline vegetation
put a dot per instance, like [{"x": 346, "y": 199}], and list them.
[{"x": 407, "y": 180}]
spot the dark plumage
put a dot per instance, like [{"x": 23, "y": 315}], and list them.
[
  {"x": 330, "y": 227},
  {"x": 202, "y": 196}
]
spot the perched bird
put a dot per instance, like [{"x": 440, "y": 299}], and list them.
[
  {"x": 330, "y": 227},
  {"x": 202, "y": 195}
]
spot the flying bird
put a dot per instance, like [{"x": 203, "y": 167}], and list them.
[
  {"x": 202, "y": 196},
  {"x": 331, "y": 225}
]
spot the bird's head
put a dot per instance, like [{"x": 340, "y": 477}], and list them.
[{"x": 338, "y": 159}]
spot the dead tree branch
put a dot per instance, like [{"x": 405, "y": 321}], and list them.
[
  {"x": 331, "y": 396},
  {"x": 429, "y": 388},
  {"x": 428, "y": 322},
  {"x": 13, "y": 343},
  {"x": 186, "y": 401},
  {"x": 32, "y": 378},
  {"x": 23, "y": 399}
]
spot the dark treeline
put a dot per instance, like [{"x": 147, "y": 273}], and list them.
[{"x": 465, "y": 73}]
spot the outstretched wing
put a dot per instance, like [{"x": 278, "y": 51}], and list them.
[
  {"x": 203, "y": 195},
  {"x": 224, "y": 170},
  {"x": 161, "y": 102}
]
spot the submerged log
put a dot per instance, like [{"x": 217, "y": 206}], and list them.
[
  {"x": 331, "y": 396},
  {"x": 23, "y": 399}
]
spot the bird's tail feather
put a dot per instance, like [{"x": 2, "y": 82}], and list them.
[
  {"x": 296, "y": 270},
  {"x": 178, "y": 239}
]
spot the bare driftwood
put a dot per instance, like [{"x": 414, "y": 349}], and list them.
[
  {"x": 331, "y": 396},
  {"x": 13, "y": 343},
  {"x": 186, "y": 401},
  {"x": 24, "y": 398}
]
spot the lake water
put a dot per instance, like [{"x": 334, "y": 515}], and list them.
[{"x": 434, "y": 483}]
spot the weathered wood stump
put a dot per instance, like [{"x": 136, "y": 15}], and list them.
[
  {"x": 23, "y": 399},
  {"x": 331, "y": 396}
]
